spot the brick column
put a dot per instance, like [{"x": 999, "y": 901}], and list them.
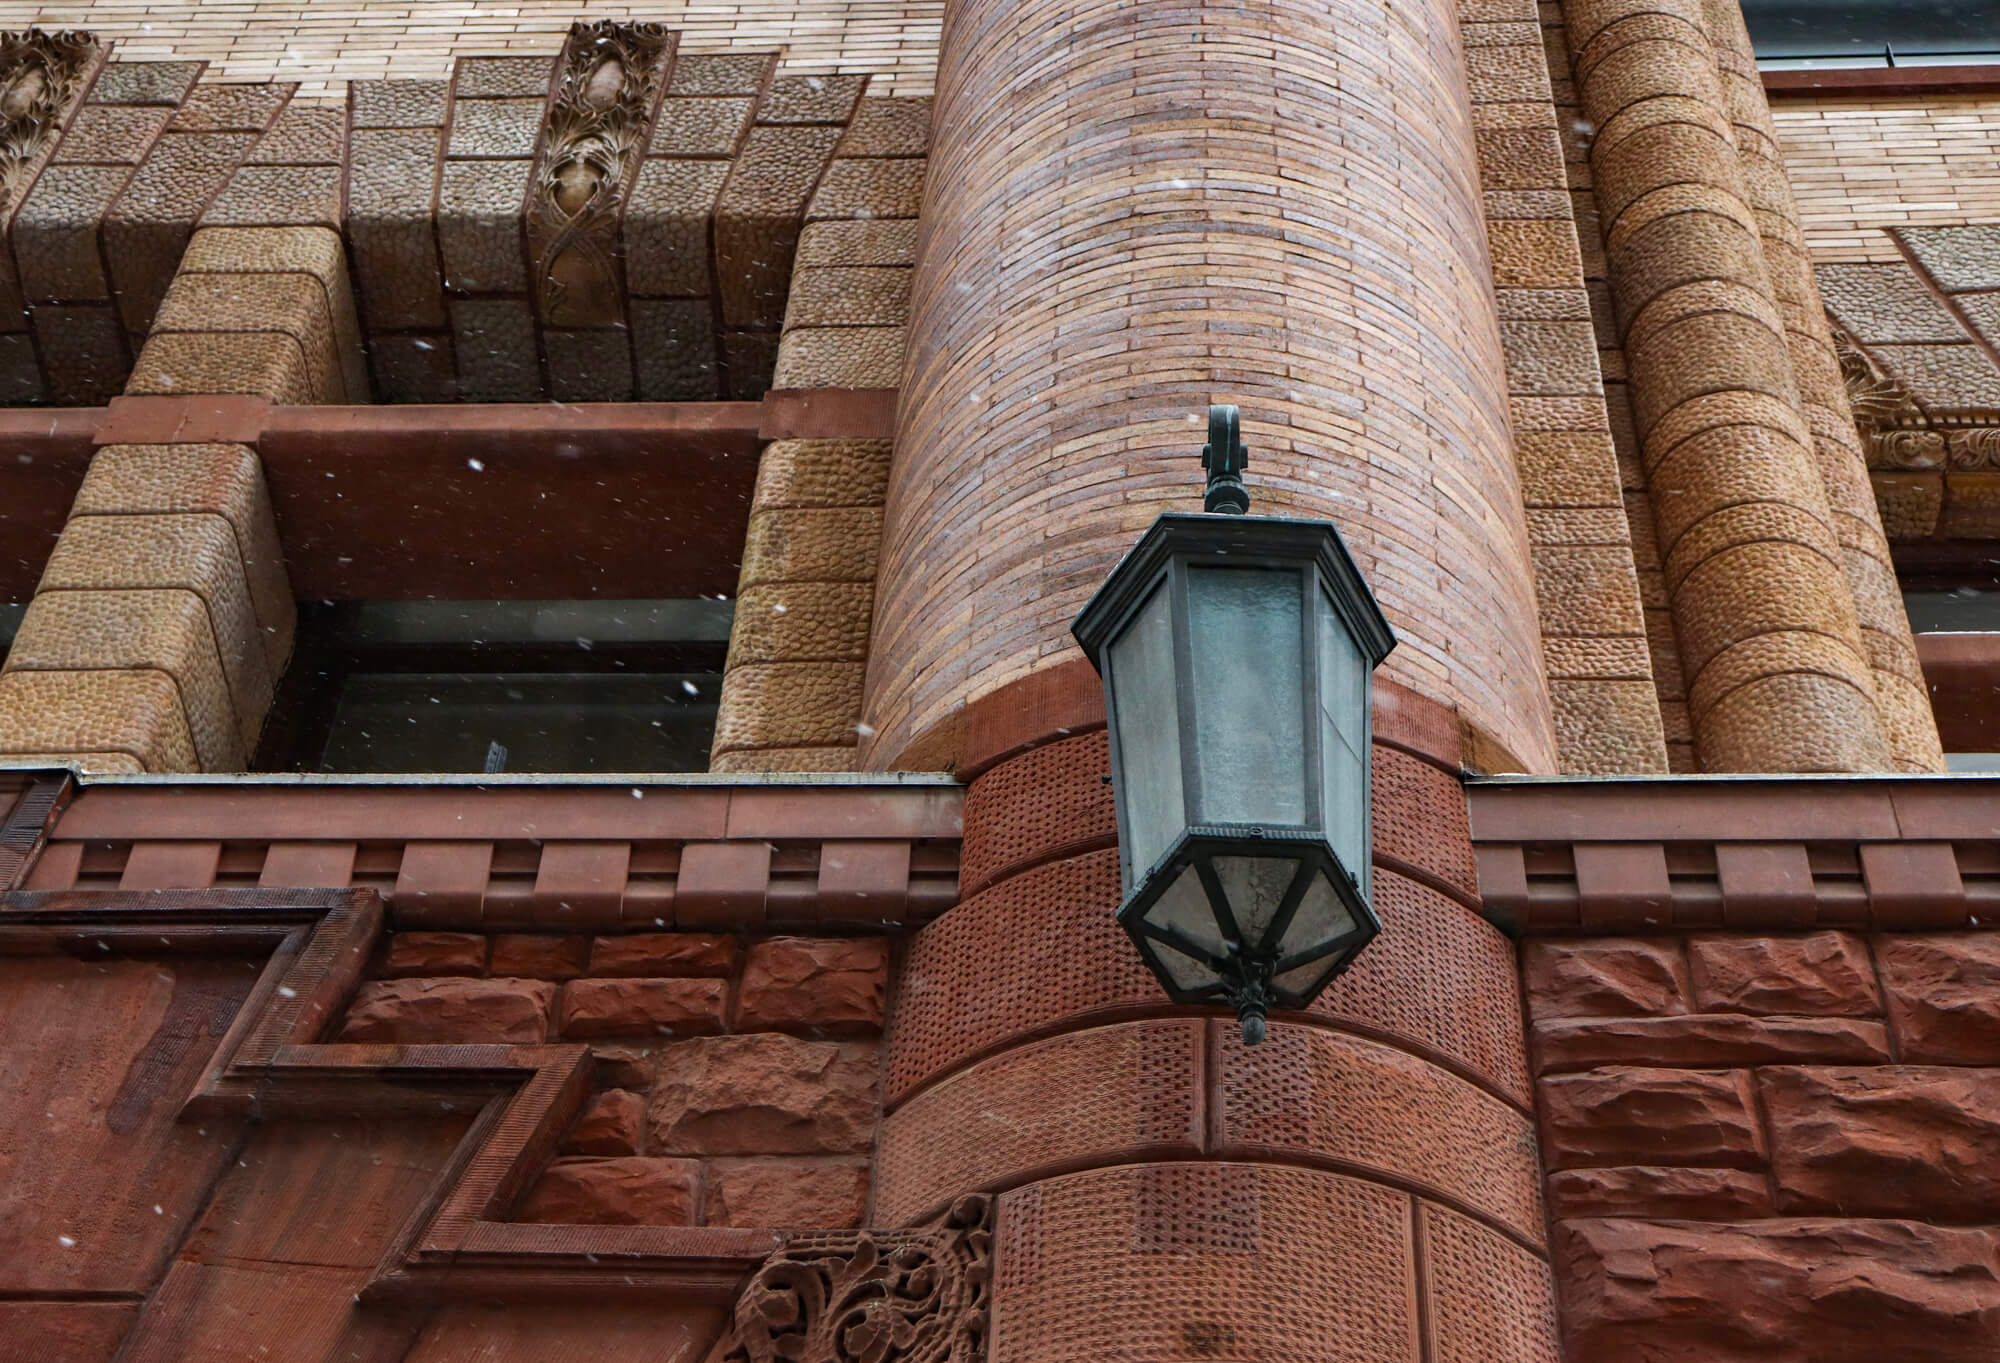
[
  {"x": 1134, "y": 211},
  {"x": 1900, "y": 694},
  {"x": 164, "y": 617},
  {"x": 1778, "y": 677},
  {"x": 1362, "y": 1186}
]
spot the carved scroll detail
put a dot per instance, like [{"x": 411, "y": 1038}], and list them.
[
  {"x": 40, "y": 73},
  {"x": 916, "y": 1296},
  {"x": 1977, "y": 449},
  {"x": 1895, "y": 432},
  {"x": 597, "y": 131}
]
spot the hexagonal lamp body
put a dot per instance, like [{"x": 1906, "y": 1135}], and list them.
[{"x": 1238, "y": 654}]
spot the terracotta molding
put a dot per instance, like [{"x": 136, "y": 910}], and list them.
[
  {"x": 38, "y": 799},
  {"x": 1863, "y": 82},
  {"x": 1616, "y": 858},
  {"x": 829, "y": 414},
  {"x": 270, "y": 1063}
]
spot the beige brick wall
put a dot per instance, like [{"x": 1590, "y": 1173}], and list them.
[
  {"x": 324, "y": 43},
  {"x": 1860, "y": 165}
]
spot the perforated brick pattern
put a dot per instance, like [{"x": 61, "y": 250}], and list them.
[
  {"x": 1440, "y": 977},
  {"x": 1420, "y": 820},
  {"x": 1203, "y": 1261},
  {"x": 1122, "y": 1093},
  {"x": 1488, "y": 1299},
  {"x": 1048, "y": 803},
  {"x": 1032, "y": 950},
  {"x": 1316, "y": 1095}
]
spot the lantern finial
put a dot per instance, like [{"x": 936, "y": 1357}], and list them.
[{"x": 1225, "y": 458}]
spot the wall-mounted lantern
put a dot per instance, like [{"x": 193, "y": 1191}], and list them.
[{"x": 1237, "y": 654}]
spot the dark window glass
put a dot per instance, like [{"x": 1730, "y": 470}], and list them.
[
  {"x": 1868, "y": 30},
  {"x": 501, "y": 686}
]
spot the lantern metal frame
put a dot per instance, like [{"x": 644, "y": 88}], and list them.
[{"x": 1248, "y": 976}]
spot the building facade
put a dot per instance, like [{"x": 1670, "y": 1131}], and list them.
[{"x": 551, "y": 809}]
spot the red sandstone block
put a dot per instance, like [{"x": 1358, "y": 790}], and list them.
[
  {"x": 1604, "y": 977},
  {"x": 510, "y": 1012},
  {"x": 442, "y": 878},
  {"x": 171, "y": 866},
  {"x": 664, "y": 953},
  {"x": 765, "y": 1094},
  {"x": 627, "y": 1007},
  {"x": 864, "y": 881},
  {"x": 626, "y": 1065},
  {"x": 434, "y": 953},
  {"x": 633, "y": 1191},
  {"x": 1623, "y": 885},
  {"x": 1889, "y": 1140},
  {"x": 823, "y": 986},
  {"x": 613, "y": 1124},
  {"x": 1944, "y": 996},
  {"x": 1691, "y": 1194},
  {"x": 1650, "y": 1116},
  {"x": 1826, "y": 974},
  {"x": 1719, "y": 1039},
  {"x": 289, "y": 865},
  {"x": 540, "y": 957},
  {"x": 583, "y": 880},
  {"x": 787, "y": 1193},
  {"x": 1765, "y": 883}
]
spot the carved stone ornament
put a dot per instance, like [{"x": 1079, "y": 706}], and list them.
[
  {"x": 597, "y": 132},
  {"x": 1895, "y": 432},
  {"x": 915, "y": 1296},
  {"x": 1977, "y": 449},
  {"x": 40, "y": 73}
]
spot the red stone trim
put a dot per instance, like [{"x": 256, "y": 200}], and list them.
[
  {"x": 1662, "y": 856},
  {"x": 598, "y": 858},
  {"x": 270, "y": 1063},
  {"x": 1866, "y": 82},
  {"x": 34, "y": 801}
]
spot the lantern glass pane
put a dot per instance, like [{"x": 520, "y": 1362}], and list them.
[
  {"x": 1149, "y": 726},
  {"x": 1244, "y": 631},
  {"x": 1255, "y": 887},
  {"x": 1322, "y": 917},
  {"x": 1300, "y": 979},
  {"x": 1184, "y": 909},
  {"x": 1343, "y": 741},
  {"x": 1185, "y": 971}
]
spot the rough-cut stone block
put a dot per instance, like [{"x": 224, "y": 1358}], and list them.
[
  {"x": 540, "y": 956},
  {"x": 1889, "y": 1140},
  {"x": 633, "y": 1191},
  {"x": 823, "y": 986},
  {"x": 613, "y": 1124},
  {"x": 97, "y": 714},
  {"x": 1781, "y": 1291},
  {"x": 1821, "y": 973},
  {"x": 1604, "y": 977},
  {"x": 664, "y": 953},
  {"x": 1708, "y": 1039},
  {"x": 1656, "y": 1190},
  {"x": 628, "y": 1007},
  {"x": 511, "y": 1012},
  {"x": 765, "y": 1094},
  {"x": 1650, "y": 1116},
  {"x": 1944, "y": 996},
  {"x": 436, "y": 953},
  {"x": 786, "y": 1193}
]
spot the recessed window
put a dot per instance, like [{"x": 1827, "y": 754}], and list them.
[
  {"x": 501, "y": 686},
  {"x": 1805, "y": 33},
  {"x": 1957, "y": 631}
]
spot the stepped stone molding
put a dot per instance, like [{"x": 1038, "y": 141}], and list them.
[{"x": 921, "y": 1296}]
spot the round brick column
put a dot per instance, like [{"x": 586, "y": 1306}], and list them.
[
  {"x": 1364, "y": 1180},
  {"x": 1134, "y": 210}
]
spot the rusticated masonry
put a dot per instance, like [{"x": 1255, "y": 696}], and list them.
[
  {"x": 165, "y": 615},
  {"x": 1135, "y": 211},
  {"x": 1900, "y": 697},
  {"x": 1777, "y": 671}
]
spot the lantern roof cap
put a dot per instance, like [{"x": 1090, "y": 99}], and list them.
[{"x": 1251, "y": 541}]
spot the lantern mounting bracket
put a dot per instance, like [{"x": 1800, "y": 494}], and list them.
[{"x": 1225, "y": 458}]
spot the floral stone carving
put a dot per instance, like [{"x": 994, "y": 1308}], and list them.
[
  {"x": 611, "y": 80},
  {"x": 40, "y": 74},
  {"x": 871, "y": 1296}
]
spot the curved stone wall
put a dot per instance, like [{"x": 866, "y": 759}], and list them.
[{"x": 1134, "y": 211}]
